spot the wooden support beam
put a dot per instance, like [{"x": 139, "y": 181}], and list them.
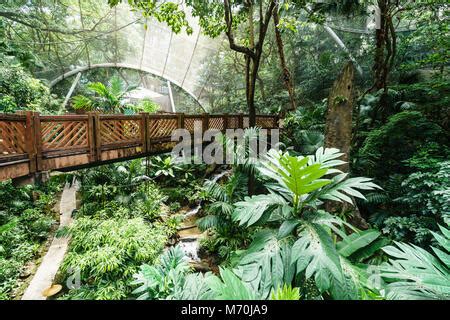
[
  {"x": 144, "y": 131},
  {"x": 205, "y": 122},
  {"x": 91, "y": 137},
  {"x": 30, "y": 141},
  {"x": 181, "y": 124},
  {"x": 97, "y": 137},
  {"x": 38, "y": 140},
  {"x": 241, "y": 121},
  {"x": 225, "y": 122}
]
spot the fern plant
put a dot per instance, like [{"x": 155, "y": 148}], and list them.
[
  {"x": 227, "y": 235},
  {"x": 172, "y": 279}
]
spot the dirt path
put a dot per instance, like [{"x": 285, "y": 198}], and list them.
[{"x": 50, "y": 263}]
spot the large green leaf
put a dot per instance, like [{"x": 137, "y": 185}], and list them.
[
  {"x": 367, "y": 252},
  {"x": 267, "y": 263},
  {"x": 444, "y": 241},
  {"x": 230, "y": 287},
  {"x": 314, "y": 252},
  {"x": 342, "y": 189},
  {"x": 327, "y": 158},
  {"x": 286, "y": 293},
  {"x": 415, "y": 274},
  {"x": 294, "y": 173},
  {"x": 195, "y": 287},
  {"x": 349, "y": 245},
  {"x": 250, "y": 211}
]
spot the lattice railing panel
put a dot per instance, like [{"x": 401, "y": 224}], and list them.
[
  {"x": 12, "y": 138},
  {"x": 265, "y": 122},
  {"x": 58, "y": 135},
  {"x": 233, "y": 122},
  {"x": 189, "y": 124},
  {"x": 216, "y": 123},
  {"x": 246, "y": 122},
  {"x": 162, "y": 128},
  {"x": 120, "y": 131}
]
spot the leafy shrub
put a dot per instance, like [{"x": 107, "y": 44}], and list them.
[
  {"x": 428, "y": 193},
  {"x": 148, "y": 106},
  {"x": 415, "y": 274},
  {"x": 108, "y": 252},
  {"x": 20, "y": 91},
  {"x": 24, "y": 224},
  {"x": 226, "y": 235},
  {"x": 395, "y": 142},
  {"x": 162, "y": 279},
  {"x": 412, "y": 229},
  {"x": 171, "y": 279}
]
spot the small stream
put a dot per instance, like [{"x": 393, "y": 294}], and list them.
[{"x": 190, "y": 235}]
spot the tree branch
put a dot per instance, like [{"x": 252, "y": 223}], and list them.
[
  {"x": 229, "y": 22},
  {"x": 18, "y": 18}
]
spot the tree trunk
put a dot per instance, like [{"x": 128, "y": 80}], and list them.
[
  {"x": 385, "y": 53},
  {"x": 379, "y": 67},
  {"x": 339, "y": 130},
  {"x": 287, "y": 77}
]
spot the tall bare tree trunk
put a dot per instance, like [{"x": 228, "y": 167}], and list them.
[
  {"x": 385, "y": 54},
  {"x": 287, "y": 76},
  {"x": 339, "y": 130}
]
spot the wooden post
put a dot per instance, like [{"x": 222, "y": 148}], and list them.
[
  {"x": 97, "y": 137},
  {"x": 241, "y": 121},
  {"x": 30, "y": 140},
  {"x": 144, "y": 131},
  {"x": 181, "y": 117},
  {"x": 225, "y": 122},
  {"x": 205, "y": 122},
  {"x": 277, "y": 122},
  {"x": 91, "y": 136},
  {"x": 38, "y": 140},
  {"x": 149, "y": 138}
]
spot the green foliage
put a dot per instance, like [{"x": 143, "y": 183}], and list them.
[
  {"x": 25, "y": 223},
  {"x": 352, "y": 244},
  {"x": 290, "y": 210},
  {"x": 415, "y": 273},
  {"x": 227, "y": 236},
  {"x": 427, "y": 193},
  {"x": 171, "y": 278},
  {"x": 148, "y": 106},
  {"x": 413, "y": 229},
  {"x": 168, "y": 12},
  {"x": 164, "y": 167},
  {"x": 286, "y": 293},
  {"x": 160, "y": 281},
  {"x": 106, "y": 253},
  {"x": 107, "y": 98},
  {"x": 397, "y": 141},
  {"x": 20, "y": 91},
  {"x": 230, "y": 287},
  {"x": 82, "y": 103}
]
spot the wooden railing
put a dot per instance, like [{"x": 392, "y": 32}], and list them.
[{"x": 30, "y": 142}]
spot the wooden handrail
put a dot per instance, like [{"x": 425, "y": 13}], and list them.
[{"x": 30, "y": 142}]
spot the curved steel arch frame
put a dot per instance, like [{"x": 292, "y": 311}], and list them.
[{"x": 122, "y": 66}]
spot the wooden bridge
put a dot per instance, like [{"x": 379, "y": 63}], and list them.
[{"x": 32, "y": 143}]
